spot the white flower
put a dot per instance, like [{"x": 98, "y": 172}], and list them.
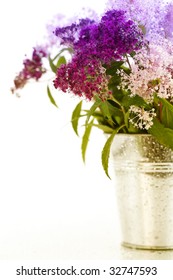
[
  {"x": 151, "y": 73},
  {"x": 143, "y": 119}
]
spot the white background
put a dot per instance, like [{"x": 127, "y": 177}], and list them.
[{"x": 52, "y": 206}]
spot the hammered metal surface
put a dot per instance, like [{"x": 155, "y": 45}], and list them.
[{"x": 144, "y": 188}]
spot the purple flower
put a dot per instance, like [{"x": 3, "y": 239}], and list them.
[
  {"x": 69, "y": 34},
  {"x": 119, "y": 35},
  {"x": 107, "y": 40},
  {"x": 168, "y": 22},
  {"x": 154, "y": 16},
  {"x": 83, "y": 78},
  {"x": 95, "y": 44},
  {"x": 33, "y": 68}
]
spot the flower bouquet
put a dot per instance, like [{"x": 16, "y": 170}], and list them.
[{"x": 121, "y": 62}]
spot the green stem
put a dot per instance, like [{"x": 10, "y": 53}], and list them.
[
  {"x": 160, "y": 111},
  {"x": 122, "y": 108}
]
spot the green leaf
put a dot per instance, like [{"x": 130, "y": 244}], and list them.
[
  {"x": 118, "y": 93},
  {"x": 115, "y": 111},
  {"x": 85, "y": 139},
  {"x": 112, "y": 69},
  {"x": 114, "y": 81},
  {"x": 106, "y": 150},
  {"x": 167, "y": 104},
  {"x": 167, "y": 113},
  {"x": 130, "y": 127},
  {"x": 61, "y": 61},
  {"x": 105, "y": 128},
  {"x": 93, "y": 108},
  {"x": 52, "y": 65},
  {"x": 75, "y": 117},
  {"x": 136, "y": 100},
  {"x": 51, "y": 97},
  {"x": 104, "y": 107},
  {"x": 126, "y": 119},
  {"x": 70, "y": 50},
  {"x": 126, "y": 69},
  {"x": 162, "y": 134}
]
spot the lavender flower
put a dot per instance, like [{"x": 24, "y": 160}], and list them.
[
  {"x": 95, "y": 44},
  {"x": 167, "y": 23},
  {"x": 69, "y": 34},
  {"x": 151, "y": 15},
  {"x": 109, "y": 39}
]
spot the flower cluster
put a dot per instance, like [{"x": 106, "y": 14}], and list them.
[
  {"x": 109, "y": 39},
  {"x": 155, "y": 17},
  {"x": 121, "y": 61},
  {"x": 83, "y": 79},
  {"x": 33, "y": 68},
  {"x": 151, "y": 73},
  {"x": 95, "y": 44},
  {"x": 142, "y": 119}
]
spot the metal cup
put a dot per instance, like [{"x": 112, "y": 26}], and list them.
[{"x": 144, "y": 188}]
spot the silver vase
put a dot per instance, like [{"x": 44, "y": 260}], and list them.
[{"x": 144, "y": 188}]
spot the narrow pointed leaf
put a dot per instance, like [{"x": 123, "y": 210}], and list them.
[
  {"x": 105, "y": 128},
  {"x": 51, "y": 97},
  {"x": 75, "y": 117},
  {"x": 61, "y": 61},
  {"x": 167, "y": 113},
  {"x": 162, "y": 134},
  {"x": 105, "y": 110},
  {"x": 106, "y": 150},
  {"x": 90, "y": 112},
  {"x": 127, "y": 101},
  {"x": 52, "y": 65},
  {"x": 85, "y": 139}
]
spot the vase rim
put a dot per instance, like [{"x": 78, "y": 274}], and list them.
[{"x": 134, "y": 134}]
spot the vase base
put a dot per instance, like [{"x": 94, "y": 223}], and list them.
[{"x": 145, "y": 247}]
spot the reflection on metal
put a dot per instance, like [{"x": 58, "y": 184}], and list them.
[{"x": 144, "y": 188}]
